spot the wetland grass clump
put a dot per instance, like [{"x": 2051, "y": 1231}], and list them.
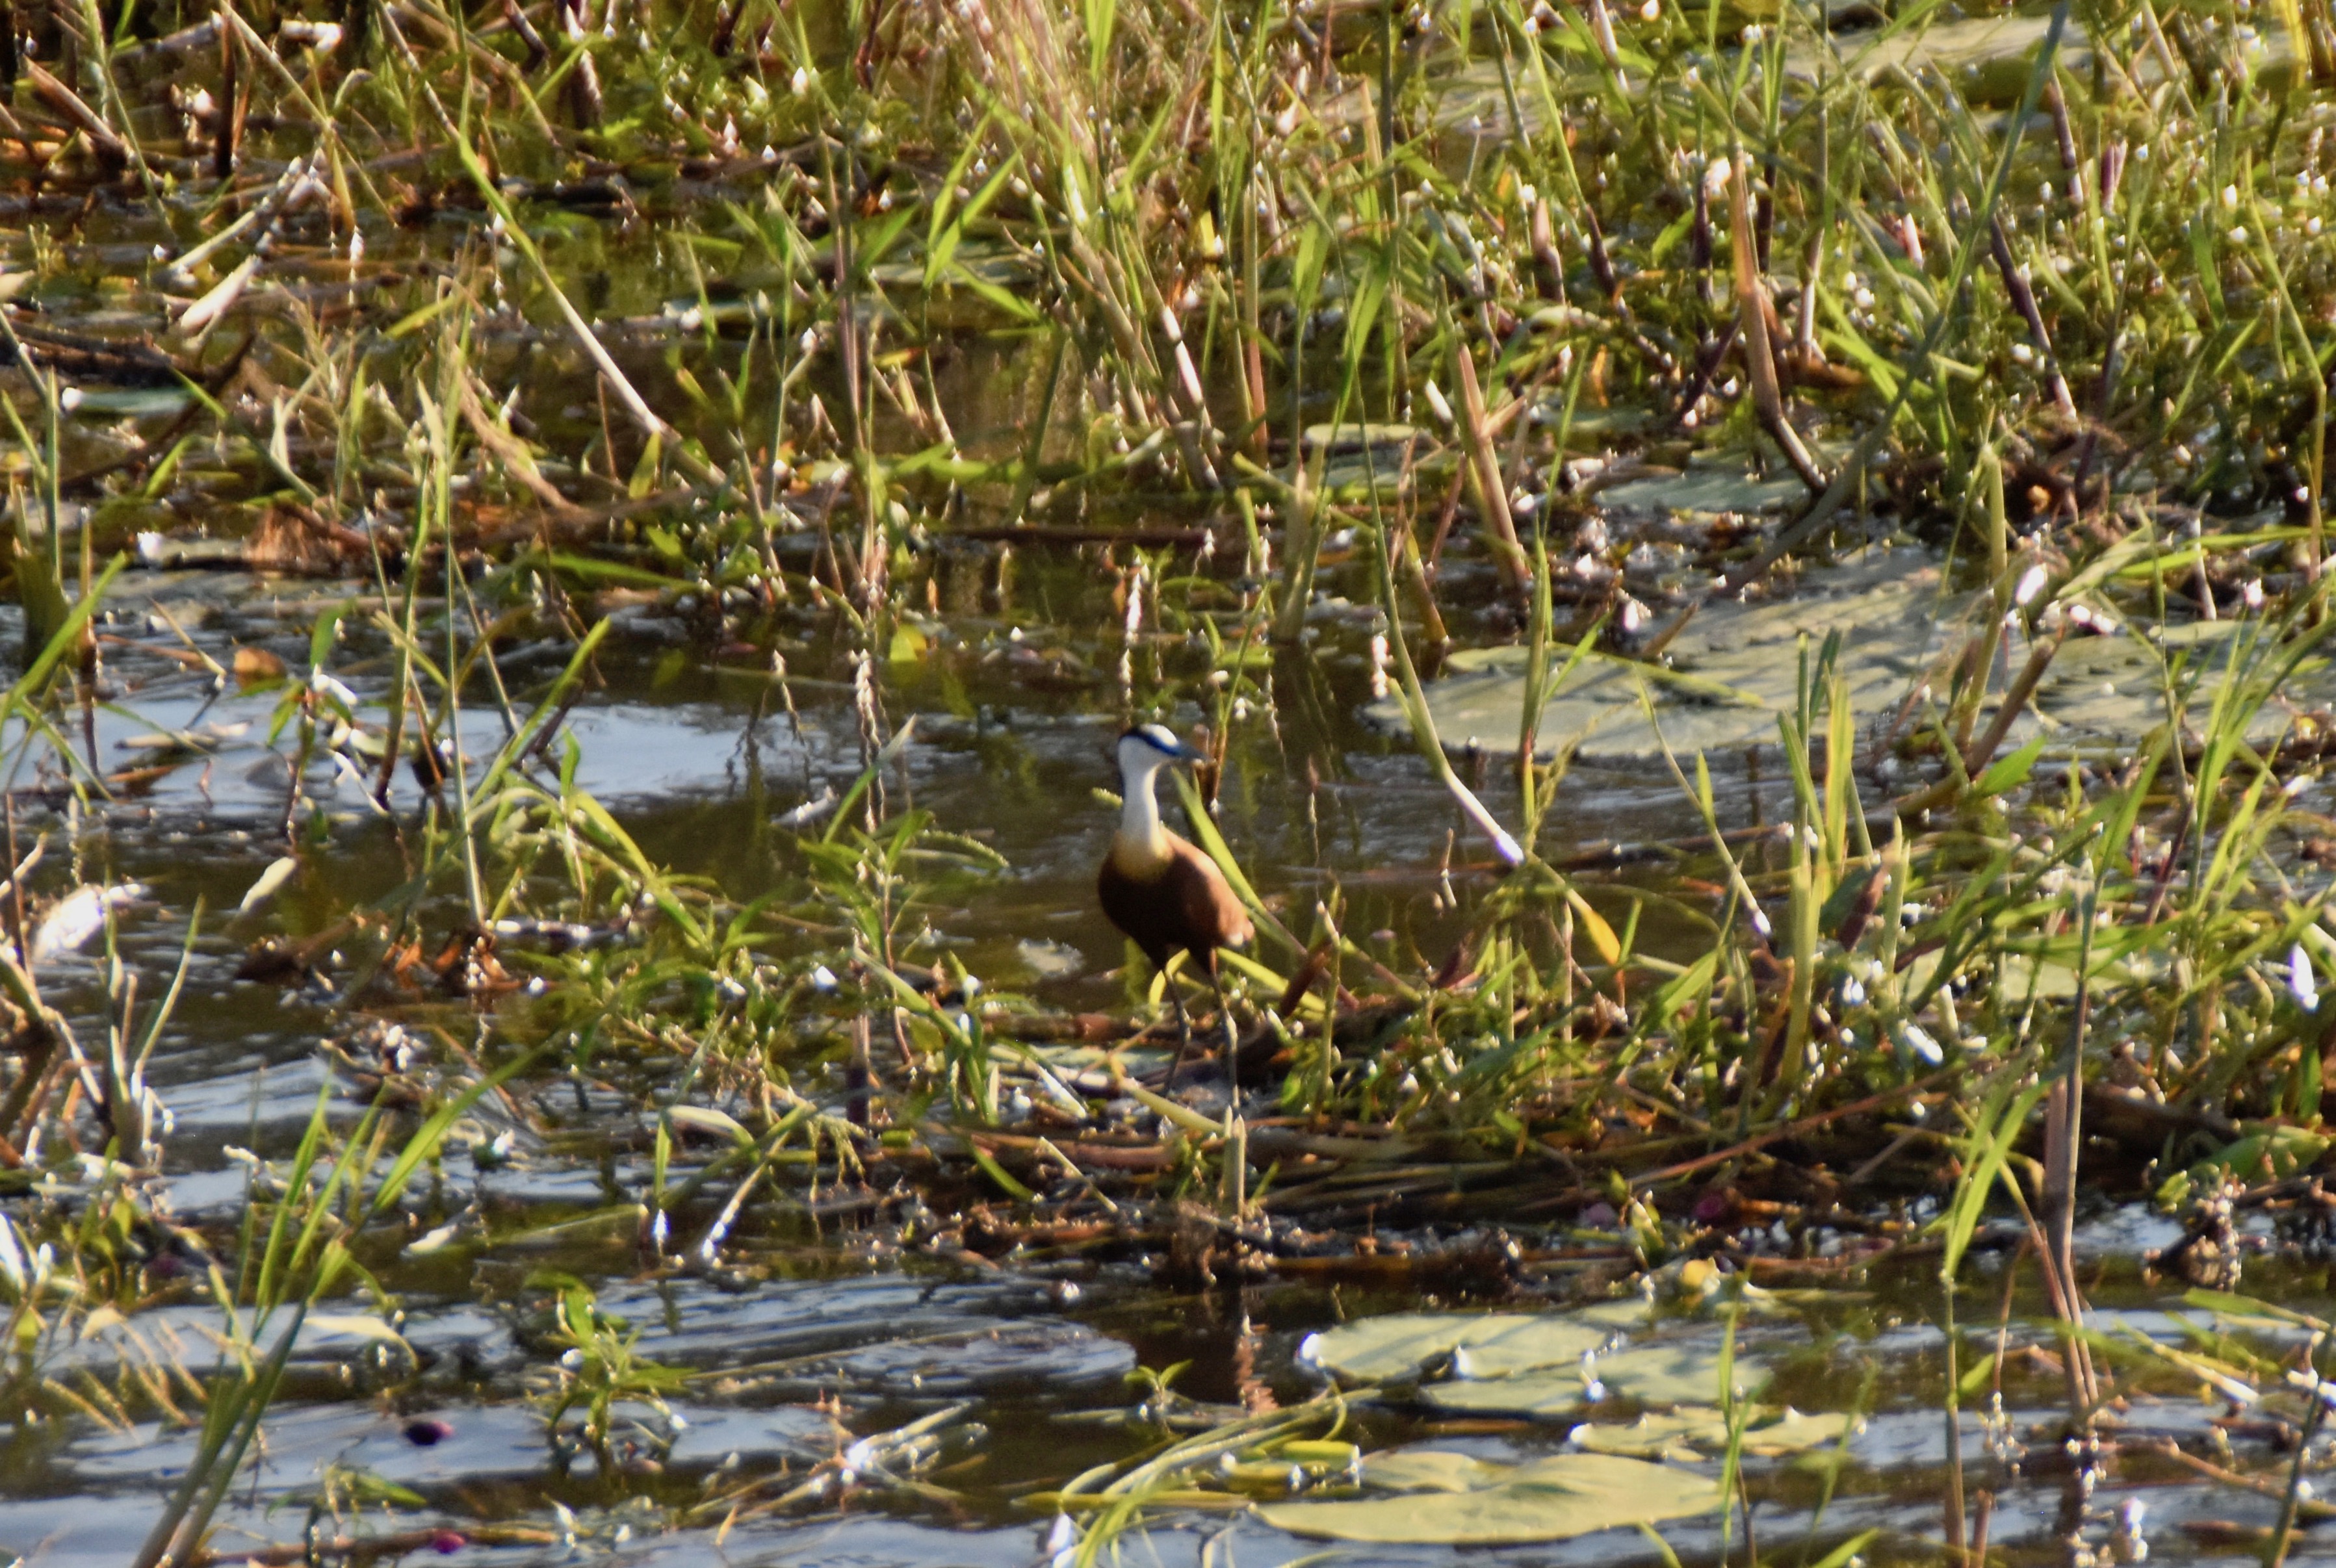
[{"x": 1228, "y": 365}]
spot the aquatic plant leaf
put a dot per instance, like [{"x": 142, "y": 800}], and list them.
[
  {"x": 2240, "y": 1308},
  {"x": 1349, "y": 438},
  {"x": 705, "y": 1118},
  {"x": 132, "y": 402},
  {"x": 2010, "y": 772},
  {"x": 1683, "y": 1435},
  {"x": 1987, "y": 58},
  {"x": 279, "y": 871},
  {"x": 1796, "y": 1432},
  {"x": 1735, "y": 669},
  {"x": 1708, "y": 491},
  {"x": 909, "y": 644},
  {"x": 997, "y": 1172},
  {"x": 1648, "y": 1374},
  {"x": 1593, "y": 925},
  {"x": 1431, "y": 1470},
  {"x": 1498, "y": 1344},
  {"x": 1695, "y": 1432},
  {"x": 1675, "y": 1374},
  {"x": 2266, "y": 1154},
  {"x": 354, "y": 1326},
  {"x": 1551, "y": 1499},
  {"x": 1555, "y": 1392},
  {"x": 1732, "y": 670}
]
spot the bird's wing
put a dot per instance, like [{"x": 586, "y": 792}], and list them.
[{"x": 1212, "y": 914}]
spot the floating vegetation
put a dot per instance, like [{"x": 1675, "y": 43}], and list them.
[
  {"x": 1747, "y": 585},
  {"x": 2103, "y": 686},
  {"x": 1453, "y": 1499}
]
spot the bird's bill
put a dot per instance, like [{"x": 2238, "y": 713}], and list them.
[{"x": 1184, "y": 753}]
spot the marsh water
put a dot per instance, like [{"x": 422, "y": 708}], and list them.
[
  {"x": 843, "y": 1305},
  {"x": 836, "y": 1314},
  {"x": 832, "y": 1319}
]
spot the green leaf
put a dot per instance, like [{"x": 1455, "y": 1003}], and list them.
[
  {"x": 1499, "y": 1344},
  {"x": 1012, "y": 305},
  {"x": 1694, "y": 1432},
  {"x": 2226, "y": 1304},
  {"x": 949, "y": 230},
  {"x": 2010, "y": 772},
  {"x": 605, "y": 571},
  {"x": 997, "y": 1172},
  {"x": 2267, "y": 1153},
  {"x": 704, "y": 1118},
  {"x": 1433, "y": 1470},
  {"x": 1456, "y": 1500},
  {"x": 1845, "y": 894},
  {"x": 645, "y": 472},
  {"x": 1673, "y": 232},
  {"x": 426, "y": 1138},
  {"x": 1683, "y": 1435},
  {"x": 1676, "y": 1374},
  {"x": 1688, "y": 988},
  {"x": 1992, "y": 1146}
]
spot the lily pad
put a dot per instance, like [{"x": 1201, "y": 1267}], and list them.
[
  {"x": 1678, "y": 1374},
  {"x": 1736, "y": 668},
  {"x": 1356, "y": 459},
  {"x": 1706, "y": 492},
  {"x": 1700, "y": 1431},
  {"x": 1989, "y": 58},
  {"x": 1794, "y": 1432},
  {"x": 1454, "y": 1499},
  {"x": 1354, "y": 438},
  {"x": 1495, "y": 1344},
  {"x": 1681, "y": 1436},
  {"x": 1432, "y": 1470}
]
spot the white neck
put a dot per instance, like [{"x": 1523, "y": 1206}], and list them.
[{"x": 1139, "y": 808}]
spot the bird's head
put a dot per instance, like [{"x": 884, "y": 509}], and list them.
[{"x": 1150, "y": 746}]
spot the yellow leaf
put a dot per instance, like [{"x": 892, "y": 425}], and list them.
[
  {"x": 909, "y": 644},
  {"x": 1601, "y": 936},
  {"x": 704, "y": 1118}
]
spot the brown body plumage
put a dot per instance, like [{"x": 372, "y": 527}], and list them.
[
  {"x": 1178, "y": 902},
  {"x": 1159, "y": 889}
]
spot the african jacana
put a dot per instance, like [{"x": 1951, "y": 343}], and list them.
[{"x": 1159, "y": 889}]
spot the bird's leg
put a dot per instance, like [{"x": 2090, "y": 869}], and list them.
[
  {"x": 1232, "y": 1037},
  {"x": 1183, "y": 1032}
]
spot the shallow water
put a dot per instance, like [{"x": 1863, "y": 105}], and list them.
[
  {"x": 823, "y": 1328},
  {"x": 1017, "y": 1358},
  {"x": 836, "y": 1316}
]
